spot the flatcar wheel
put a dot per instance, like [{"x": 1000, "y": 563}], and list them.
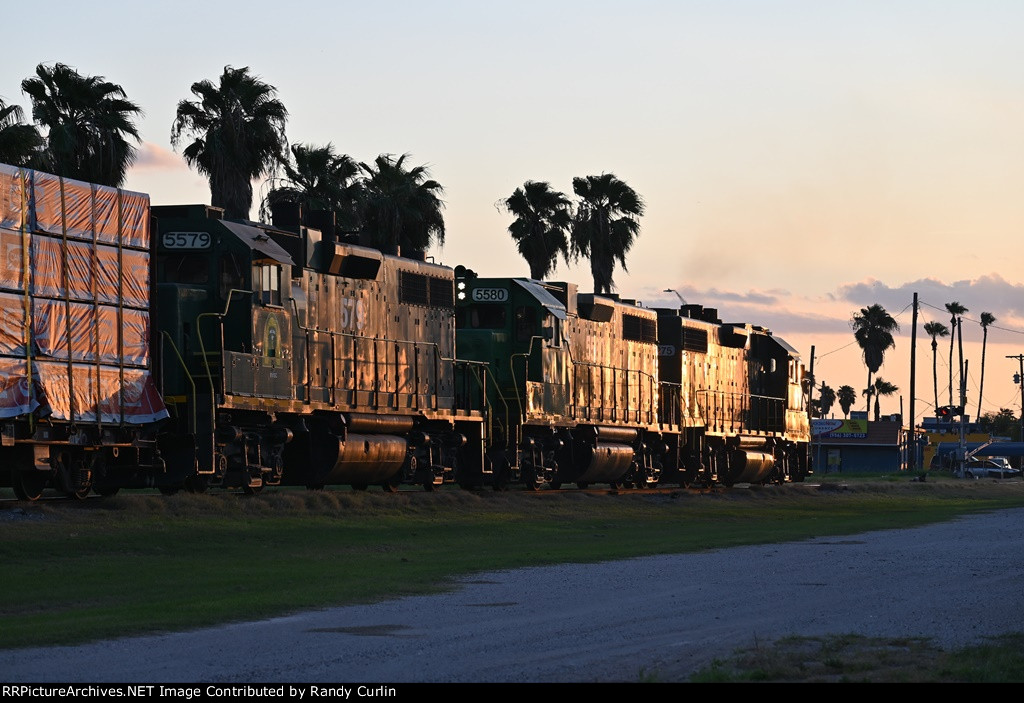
[
  {"x": 28, "y": 485},
  {"x": 81, "y": 479},
  {"x": 582, "y": 485}
]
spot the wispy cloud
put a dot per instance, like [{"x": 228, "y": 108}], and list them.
[
  {"x": 990, "y": 293},
  {"x": 153, "y": 157},
  {"x": 830, "y": 314}
]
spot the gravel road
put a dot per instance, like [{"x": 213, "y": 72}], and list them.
[{"x": 955, "y": 582}]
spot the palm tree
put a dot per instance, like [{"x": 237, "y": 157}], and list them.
[
  {"x": 826, "y": 398},
  {"x": 88, "y": 122},
  {"x": 19, "y": 143},
  {"x": 401, "y": 207},
  {"x": 987, "y": 319},
  {"x": 956, "y": 311},
  {"x": 879, "y": 388},
  {"x": 237, "y": 133},
  {"x": 847, "y": 396},
  {"x": 605, "y": 225},
  {"x": 319, "y": 179},
  {"x": 872, "y": 328},
  {"x": 935, "y": 330},
  {"x": 543, "y": 216}
]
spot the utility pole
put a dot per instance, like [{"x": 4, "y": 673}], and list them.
[
  {"x": 962, "y": 449},
  {"x": 1020, "y": 380},
  {"x": 913, "y": 463},
  {"x": 810, "y": 410}
]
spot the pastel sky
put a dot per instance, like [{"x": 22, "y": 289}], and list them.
[{"x": 799, "y": 159}]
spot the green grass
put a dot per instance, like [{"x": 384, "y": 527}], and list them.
[
  {"x": 857, "y": 659},
  {"x": 143, "y": 563}
]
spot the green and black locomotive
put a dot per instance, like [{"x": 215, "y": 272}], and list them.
[
  {"x": 288, "y": 356},
  {"x": 593, "y": 389}
]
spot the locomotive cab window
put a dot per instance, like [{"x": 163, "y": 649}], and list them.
[
  {"x": 230, "y": 275},
  {"x": 486, "y": 317},
  {"x": 186, "y": 268},
  {"x": 526, "y": 323},
  {"x": 267, "y": 282}
]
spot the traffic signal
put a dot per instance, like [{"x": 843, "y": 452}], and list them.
[
  {"x": 944, "y": 411},
  {"x": 1016, "y": 379}
]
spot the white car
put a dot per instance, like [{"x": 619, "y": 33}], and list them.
[{"x": 985, "y": 468}]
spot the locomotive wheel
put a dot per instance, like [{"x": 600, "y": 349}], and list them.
[
  {"x": 555, "y": 485},
  {"x": 28, "y": 485},
  {"x": 168, "y": 490},
  {"x": 530, "y": 478},
  {"x": 252, "y": 490},
  {"x": 390, "y": 487}
]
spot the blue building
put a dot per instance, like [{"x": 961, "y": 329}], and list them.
[{"x": 860, "y": 445}]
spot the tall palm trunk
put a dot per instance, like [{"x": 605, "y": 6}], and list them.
[
  {"x": 935, "y": 370},
  {"x": 868, "y": 408},
  {"x": 952, "y": 336},
  {"x": 962, "y": 390},
  {"x": 981, "y": 383}
]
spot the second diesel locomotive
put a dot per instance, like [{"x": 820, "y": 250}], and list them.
[{"x": 593, "y": 389}]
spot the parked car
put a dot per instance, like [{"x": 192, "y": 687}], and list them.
[{"x": 985, "y": 468}]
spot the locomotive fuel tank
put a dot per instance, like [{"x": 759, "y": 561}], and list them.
[
  {"x": 605, "y": 462},
  {"x": 361, "y": 459}
]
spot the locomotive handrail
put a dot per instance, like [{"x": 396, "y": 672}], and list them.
[
  {"x": 199, "y": 333},
  {"x": 438, "y": 356},
  {"x": 188, "y": 375},
  {"x": 639, "y": 372},
  {"x": 714, "y": 405}
]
